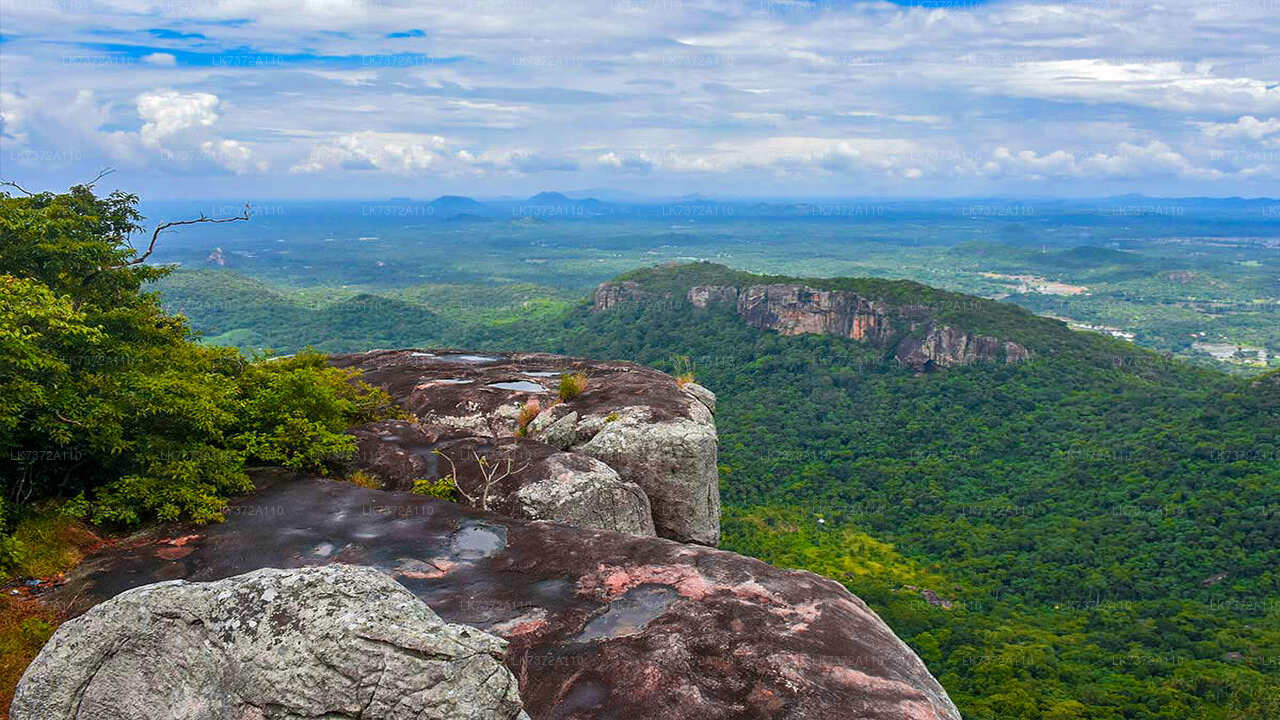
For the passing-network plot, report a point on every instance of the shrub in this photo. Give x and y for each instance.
(443, 488)
(528, 412)
(682, 369)
(572, 385)
(364, 480)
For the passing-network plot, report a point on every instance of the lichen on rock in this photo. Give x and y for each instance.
(330, 641)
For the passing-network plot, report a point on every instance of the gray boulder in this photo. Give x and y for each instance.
(579, 490)
(674, 460)
(333, 641)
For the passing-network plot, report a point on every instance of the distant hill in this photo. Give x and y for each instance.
(447, 206)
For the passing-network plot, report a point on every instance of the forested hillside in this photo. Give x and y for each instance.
(1102, 521)
(1093, 533)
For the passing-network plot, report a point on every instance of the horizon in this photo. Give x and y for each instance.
(305, 99)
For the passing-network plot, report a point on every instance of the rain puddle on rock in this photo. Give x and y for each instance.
(542, 373)
(451, 381)
(467, 358)
(630, 613)
(472, 542)
(519, 386)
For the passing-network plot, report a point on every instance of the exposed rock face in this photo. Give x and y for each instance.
(636, 422)
(334, 641)
(600, 624)
(797, 309)
(610, 294)
(947, 347)
(517, 477)
(910, 331)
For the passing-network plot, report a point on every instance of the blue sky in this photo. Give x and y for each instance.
(766, 98)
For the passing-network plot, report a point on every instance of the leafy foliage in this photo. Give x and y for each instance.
(103, 392)
(572, 385)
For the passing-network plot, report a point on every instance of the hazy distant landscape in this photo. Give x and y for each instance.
(1194, 277)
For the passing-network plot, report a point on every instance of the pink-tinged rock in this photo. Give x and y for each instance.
(599, 623)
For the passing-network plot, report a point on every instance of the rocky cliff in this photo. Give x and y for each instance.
(599, 624)
(912, 332)
(634, 452)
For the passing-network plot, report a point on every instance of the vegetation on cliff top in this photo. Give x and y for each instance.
(106, 397)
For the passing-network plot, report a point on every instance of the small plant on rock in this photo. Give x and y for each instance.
(682, 369)
(528, 412)
(441, 488)
(365, 480)
(572, 385)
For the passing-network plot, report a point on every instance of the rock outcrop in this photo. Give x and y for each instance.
(634, 443)
(600, 624)
(911, 331)
(519, 477)
(333, 641)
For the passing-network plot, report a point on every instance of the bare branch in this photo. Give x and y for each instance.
(17, 187)
(101, 174)
(175, 223)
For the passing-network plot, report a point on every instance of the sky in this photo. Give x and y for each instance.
(762, 98)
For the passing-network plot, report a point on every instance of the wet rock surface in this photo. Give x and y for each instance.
(653, 433)
(332, 641)
(600, 624)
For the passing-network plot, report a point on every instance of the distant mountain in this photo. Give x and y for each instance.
(551, 198)
(447, 206)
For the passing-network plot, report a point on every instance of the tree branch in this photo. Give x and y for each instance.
(18, 187)
(175, 223)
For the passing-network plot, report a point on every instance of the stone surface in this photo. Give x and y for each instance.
(334, 641)
(639, 422)
(518, 477)
(909, 330)
(600, 624)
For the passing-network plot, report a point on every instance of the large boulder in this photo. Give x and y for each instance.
(332, 641)
(600, 624)
(653, 432)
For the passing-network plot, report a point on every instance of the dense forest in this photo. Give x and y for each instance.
(1093, 533)
(1098, 529)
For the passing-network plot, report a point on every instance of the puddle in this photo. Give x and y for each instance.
(473, 542)
(451, 381)
(466, 358)
(542, 373)
(585, 695)
(630, 613)
(520, 386)
(421, 354)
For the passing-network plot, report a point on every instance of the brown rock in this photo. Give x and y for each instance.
(597, 622)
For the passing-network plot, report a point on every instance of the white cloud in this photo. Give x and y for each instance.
(169, 112)
(161, 59)
(232, 155)
(399, 153)
(1247, 127)
(714, 95)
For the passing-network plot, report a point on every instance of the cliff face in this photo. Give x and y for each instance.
(910, 330)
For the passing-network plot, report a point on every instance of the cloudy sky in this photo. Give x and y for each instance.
(759, 98)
